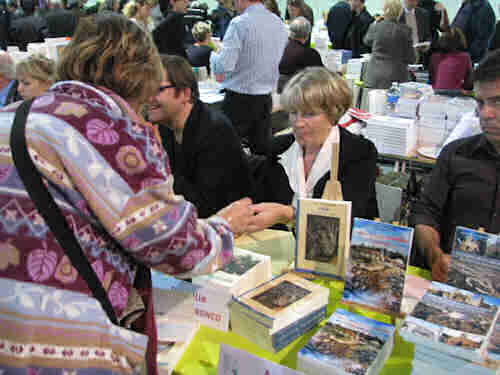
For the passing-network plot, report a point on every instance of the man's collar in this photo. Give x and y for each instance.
(481, 144)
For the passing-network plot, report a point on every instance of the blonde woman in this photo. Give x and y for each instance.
(139, 11)
(199, 52)
(392, 49)
(35, 75)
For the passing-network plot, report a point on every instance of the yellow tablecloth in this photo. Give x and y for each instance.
(202, 355)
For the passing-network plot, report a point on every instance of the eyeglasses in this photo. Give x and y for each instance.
(492, 102)
(161, 88)
(294, 116)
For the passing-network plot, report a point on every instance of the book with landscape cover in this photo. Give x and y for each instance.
(452, 321)
(376, 268)
(475, 262)
(348, 344)
(272, 314)
(246, 271)
(323, 232)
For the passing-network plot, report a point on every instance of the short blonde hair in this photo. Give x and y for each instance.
(316, 90)
(111, 51)
(38, 67)
(132, 7)
(200, 31)
(392, 10)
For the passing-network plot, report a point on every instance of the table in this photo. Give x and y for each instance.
(202, 355)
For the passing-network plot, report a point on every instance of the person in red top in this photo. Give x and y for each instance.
(450, 67)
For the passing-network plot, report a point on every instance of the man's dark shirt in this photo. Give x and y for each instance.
(463, 190)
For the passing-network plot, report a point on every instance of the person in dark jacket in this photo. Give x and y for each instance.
(298, 54)
(28, 29)
(5, 18)
(205, 153)
(199, 53)
(361, 21)
(476, 18)
(220, 17)
(169, 34)
(61, 23)
(338, 21)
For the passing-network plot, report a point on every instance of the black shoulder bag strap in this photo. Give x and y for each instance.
(50, 211)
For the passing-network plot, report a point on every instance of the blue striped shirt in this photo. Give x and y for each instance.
(251, 52)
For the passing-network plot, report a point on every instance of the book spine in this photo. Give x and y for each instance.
(299, 324)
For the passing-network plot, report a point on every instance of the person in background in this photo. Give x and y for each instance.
(199, 52)
(35, 75)
(272, 6)
(298, 8)
(450, 67)
(28, 29)
(139, 11)
(248, 61)
(338, 21)
(5, 19)
(221, 16)
(463, 189)
(298, 54)
(476, 19)
(438, 17)
(315, 99)
(495, 40)
(361, 21)
(8, 83)
(204, 151)
(196, 12)
(110, 177)
(419, 21)
(61, 22)
(110, 6)
(169, 34)
(392, 49)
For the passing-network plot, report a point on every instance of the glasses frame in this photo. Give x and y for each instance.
(162, 88)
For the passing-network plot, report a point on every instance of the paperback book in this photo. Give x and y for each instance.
(245, 272)
(475, 262)
(452, 321)
(347, 344)
(278, 311)
(323, 231)
(376, 268)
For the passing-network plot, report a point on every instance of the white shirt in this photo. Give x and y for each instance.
(251, 52)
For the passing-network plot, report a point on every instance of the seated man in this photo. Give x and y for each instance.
(205, 153)
(8, 83)
(297, 54)
(464, 185)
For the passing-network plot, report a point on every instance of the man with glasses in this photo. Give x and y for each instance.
(464, 188)
(204, 151)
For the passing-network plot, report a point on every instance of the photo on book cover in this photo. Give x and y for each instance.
(240, 264)
(281, 296)
(377, 266)
(475, 264)
(323, 231)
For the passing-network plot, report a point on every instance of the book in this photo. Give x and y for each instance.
(475, 262)
(323, 231)
(285, 302)
(244, 272)
(347, 344)
(233, 361)
(376, 268)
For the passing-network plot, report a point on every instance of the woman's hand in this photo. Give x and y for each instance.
(238, 215)
(269, 214)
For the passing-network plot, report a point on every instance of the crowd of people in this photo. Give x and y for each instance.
(147, 175)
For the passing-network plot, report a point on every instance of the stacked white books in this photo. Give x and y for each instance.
(245, 272)
(433, 127)
(278, 311)
(376, 268)
(392, 135)
(453, 323)
(336, 58)
(348, 344)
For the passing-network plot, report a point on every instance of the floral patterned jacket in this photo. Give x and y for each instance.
(107, 172)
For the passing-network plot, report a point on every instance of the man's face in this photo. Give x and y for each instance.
(411, 4)
(356, 5)
(180, 6)
(240, 5)
(488, 100)
(166, 104)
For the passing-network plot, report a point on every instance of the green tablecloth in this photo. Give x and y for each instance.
(202, 355)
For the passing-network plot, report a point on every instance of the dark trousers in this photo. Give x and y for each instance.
(251, 117)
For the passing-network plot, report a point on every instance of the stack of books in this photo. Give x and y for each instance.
(348, 344)
(453, 325)
(278, 311)
(392, 135)
(433, 128)
(376, 269)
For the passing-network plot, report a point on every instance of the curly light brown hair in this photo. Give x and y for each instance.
(37, 66)
(111, 51)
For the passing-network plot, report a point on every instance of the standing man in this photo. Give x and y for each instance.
(361, 20)
(477, 20)
(338, 21)
(169, 34)
(253, 45)
(464, 188)
(418, 19)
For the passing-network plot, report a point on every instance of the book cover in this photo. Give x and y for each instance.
(376, 268)
(282, 300)
(323, 231)
(347, 344)
(475, 262)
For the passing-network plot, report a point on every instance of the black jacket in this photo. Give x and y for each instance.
(357, 173)
(209, 168)
(169, 35)
(25, 30)
(338, 21)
